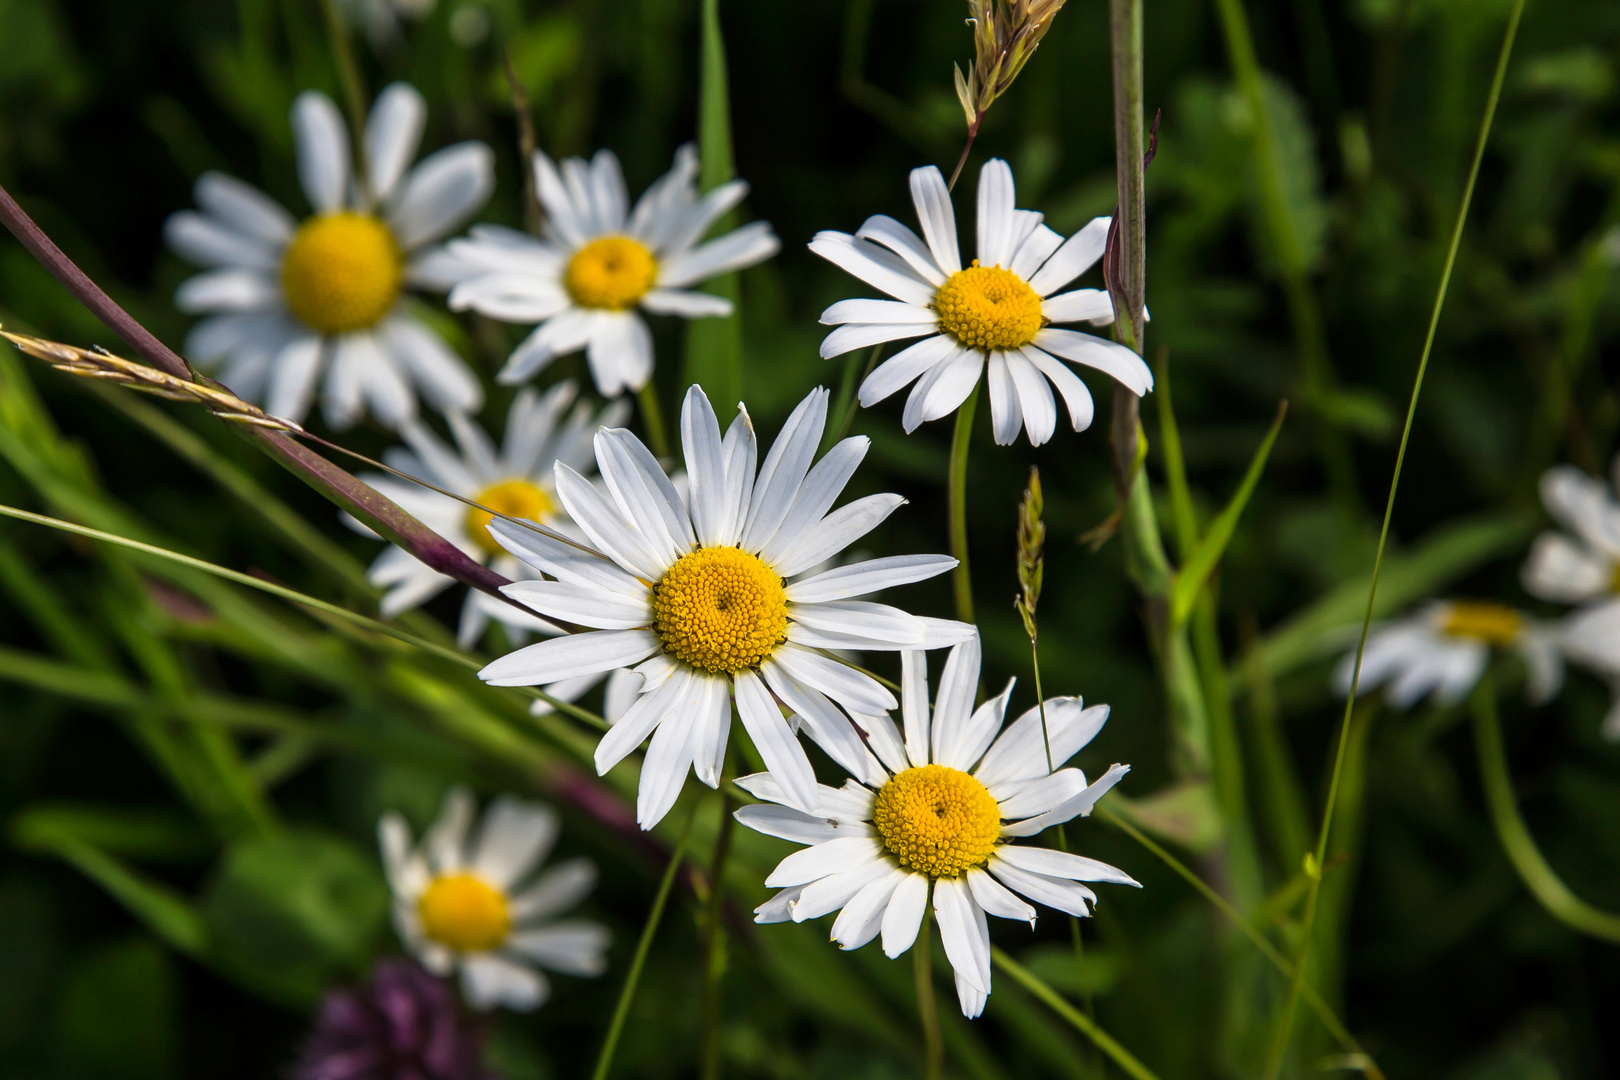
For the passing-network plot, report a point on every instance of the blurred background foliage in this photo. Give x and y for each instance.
(191, 771)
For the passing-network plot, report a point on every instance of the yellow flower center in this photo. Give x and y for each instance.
(1614, 578)
(509, 498)
(720, 609)
(613, 272)
(464, 913)
(1493, 623)
(986, 307)
(937, 820)
(342, 272)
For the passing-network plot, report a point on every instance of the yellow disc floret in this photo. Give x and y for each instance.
(937, 820)
(509, 498)
(464, 913)
(1494, 623)
(613, 272)
(341, 272)
(720, 609)
(986, 307)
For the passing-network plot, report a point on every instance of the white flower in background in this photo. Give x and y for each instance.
(381, 19)
(1581, 566)
(601, 263)
(715, 603)
(1591, 638)
(472, 903)
(289, 300)
(514, 479)
(938, 810)
(1443, 649)
(994, 314)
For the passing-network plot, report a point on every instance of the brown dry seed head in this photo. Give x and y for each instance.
(1031, 552)
(1006, 34)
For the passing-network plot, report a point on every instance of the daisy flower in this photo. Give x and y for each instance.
(382, 19)
(1443, 649)
(994, 314)
(714, 604)
(1582, 565)
(600, 264)
(461, 904)
(938, 812)
(288, 300)
(515, 479)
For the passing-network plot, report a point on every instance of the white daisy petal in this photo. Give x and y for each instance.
(1581, 504)
(441, 192)
(1081, 305)
(1062, 864)
(686, 303)
(832, 730)
(1069, 897)
(488, 981)
(581, 604)
(995, 216)
(953, 705)
(230, 289)
(292, 385)
(1020, 751)
(570, 656)
(862, 916)
(1075, 806)
(669, 755)
(836, 532)
(883, 229)
(859, 336)
(206, 242)
(713, 730)
(1110, 358)
(244, 207)
(963, 932)
(942, 390)
(705, 467)
(1563, 570)
(820, 488)
(783, 755)
(1075, 394)
(322, 145)
(576, 947)
(632, 729)
(446, 840)
(904, 916)
(873, 265)
(753, 243)
(443, 378)
(835, 890)
(996, 900)
(875, 312)
(784, 470)
(850, 688)
(566, 332)
(1006, 415)
(906, 365)
(514, 837)
(934, 212)
(1077, 255)
(619, 351)
(740, 449)
(865, 578)
(790, 824)
(778, 908)
(1036, 248)
(834, 857)
(393, 132)
(604, 523)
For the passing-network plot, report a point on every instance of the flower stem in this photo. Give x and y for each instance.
(1540, 878)
(713, 942)
(652, 417)
(621, 1011)
(973, 133)
(1083, 1023)
(849, 395)
(927, 1010)
(961, 580)
(1279, 1046)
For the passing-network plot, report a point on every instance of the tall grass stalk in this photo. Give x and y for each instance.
(961, 439)
(1279, 1046)
(1081, 1022)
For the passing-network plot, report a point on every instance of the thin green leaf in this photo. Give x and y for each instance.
(1204, 558)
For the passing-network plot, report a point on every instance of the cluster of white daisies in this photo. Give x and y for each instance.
(1441, 650)
(714, 588)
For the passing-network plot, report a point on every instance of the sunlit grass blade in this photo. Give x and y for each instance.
(1279, 1046)
(1088, 1027)
(1206, 554)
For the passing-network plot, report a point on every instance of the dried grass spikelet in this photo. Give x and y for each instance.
(97, 363)
(1006, 34)
(1031, 552)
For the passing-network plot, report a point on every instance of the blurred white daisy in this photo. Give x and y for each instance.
(938, 811)
(289, 300)
(715, 603)
(473, 905)
(382, 19)
(994, 314)
(1442, 649)
(1581, 566)
(601, 263)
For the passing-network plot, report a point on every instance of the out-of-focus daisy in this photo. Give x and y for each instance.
(381, 19)
(1591, 638)
(601, 263)
(995, 313)
(466, 904)
(1581, 566)
(514, 479)
(289, 300)
(938, 812)
(714, 604)
(1442, 649)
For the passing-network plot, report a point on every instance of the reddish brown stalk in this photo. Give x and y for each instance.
(342, 488)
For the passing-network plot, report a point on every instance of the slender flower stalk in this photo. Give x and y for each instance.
(714, 941)
(1006, 34)
(956, 505)
(1285, 1021)
(922, 973)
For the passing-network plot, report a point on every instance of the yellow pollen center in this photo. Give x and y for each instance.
(1614, 578)
(1493, 623)
(720, 609)
(341, 272)
(464, 913)
(986, 307)
(613, 272)
(937, 820)
(511, 498)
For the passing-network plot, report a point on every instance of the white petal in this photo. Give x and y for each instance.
(778, 908)
(834, 857)
(713, 729)
(994, 219)
(753, 243)
(934, 212)
(836, 890)
(883, 229)
(782, 753)
(565, 562)
(685, 303)
(994, 898)
(566, 332)
(801, 828)
(943, 389)
(570, 656)
(244, 208)
(865, 578)
(970, 998)
(1075, 806)
(573, 948)
(1106, 356)
(816, 494)
(904, 917)
(620, 352)
(1037, 247)
(669, 755)
(862, 916)
(643, 491)
(446, 839)
(831, 729)
(1561, 569)
(1006, 414)
(441, 192)
(1069, 897)
(1020, 752)
(393, 132)
(705, 468)
(953, 705)
(228, 290)
(488, 980)
(640, 719)
(1075, 394)
(980, 729)
(914, 708)
(963, 932)
(602, 520)
(877, 626)
(292, 379)
(873, 265)
(557, 890)
(1081, 305)
(443, 377)
(850, 688)
(514, 837)
(322, 148)
(1074, 258)
(1062, 864)
(1034, 398)
(582, 605)
(1582, 504)
(860, 335)
(876, 312)
(207, 242)
(836, 532)
(784, 470)
(741, 452)
(906, 365)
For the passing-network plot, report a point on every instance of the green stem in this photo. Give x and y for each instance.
(627, 994)
(1079, 944)
(961, 580)
(1129, 284)
(849, 391)
(1279, 1046)
(1083, 1023)
(922, 972)
(1532, 867)
(712, 941)
(652, 417)
(1323, 1012)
